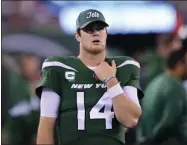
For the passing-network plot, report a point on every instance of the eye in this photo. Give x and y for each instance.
(88, 29)
(100, 28)
(92, 29)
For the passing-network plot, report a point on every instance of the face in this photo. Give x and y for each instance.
(93, 37)
(176, 44)
(30, 66)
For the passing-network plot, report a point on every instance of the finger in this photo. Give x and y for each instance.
(113, 64)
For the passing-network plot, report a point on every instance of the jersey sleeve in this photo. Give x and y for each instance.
(130, 69)
(50, 78)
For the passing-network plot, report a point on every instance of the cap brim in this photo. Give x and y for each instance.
(86, 24)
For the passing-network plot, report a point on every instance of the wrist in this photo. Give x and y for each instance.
(112, 82)
(115, 90)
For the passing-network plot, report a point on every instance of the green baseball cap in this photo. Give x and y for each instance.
(88, 16)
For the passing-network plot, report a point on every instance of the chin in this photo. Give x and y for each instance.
(96, 49)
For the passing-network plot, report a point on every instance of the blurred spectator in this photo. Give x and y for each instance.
(164, 118)
(20, 15)
(23, 106)
(30, 68)
(154, 59)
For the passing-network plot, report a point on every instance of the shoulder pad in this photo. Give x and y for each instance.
(124, 60)
(57, 62)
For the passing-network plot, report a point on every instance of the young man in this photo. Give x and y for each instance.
(164, 118)
(87, 99)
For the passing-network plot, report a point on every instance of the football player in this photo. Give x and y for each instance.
(88, 99)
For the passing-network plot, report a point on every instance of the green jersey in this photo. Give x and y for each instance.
(85, 115)
(164, 118)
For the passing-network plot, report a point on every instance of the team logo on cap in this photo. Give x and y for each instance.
(92, 15)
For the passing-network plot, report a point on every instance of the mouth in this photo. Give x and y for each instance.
(96, 41)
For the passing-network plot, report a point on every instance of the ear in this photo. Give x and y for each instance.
(77, 36)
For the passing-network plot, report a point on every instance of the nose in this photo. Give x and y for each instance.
(95, 32)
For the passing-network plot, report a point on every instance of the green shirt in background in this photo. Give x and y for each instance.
(152, 65)
(164, 118)
(22, 116)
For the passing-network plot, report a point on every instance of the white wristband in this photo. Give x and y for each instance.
(115, 91)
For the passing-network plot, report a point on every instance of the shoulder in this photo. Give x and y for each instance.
(126, 65)
(58, 62)
(172, 86)
(122, 61)
(176, 85)
(55, 59)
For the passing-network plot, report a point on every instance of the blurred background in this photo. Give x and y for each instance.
(148, 31)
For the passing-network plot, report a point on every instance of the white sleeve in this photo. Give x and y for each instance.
(132, 93)
(50, 102)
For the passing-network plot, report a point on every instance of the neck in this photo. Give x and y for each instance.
(91, 59)
(174, 73)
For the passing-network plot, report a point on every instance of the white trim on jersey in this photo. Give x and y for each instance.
(50, 101)
(56, 63)
(129, 62)
(23, 108)
(60, 64)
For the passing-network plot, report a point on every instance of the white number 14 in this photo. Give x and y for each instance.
(108, 115)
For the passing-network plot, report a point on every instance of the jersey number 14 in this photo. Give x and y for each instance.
(95, 113)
